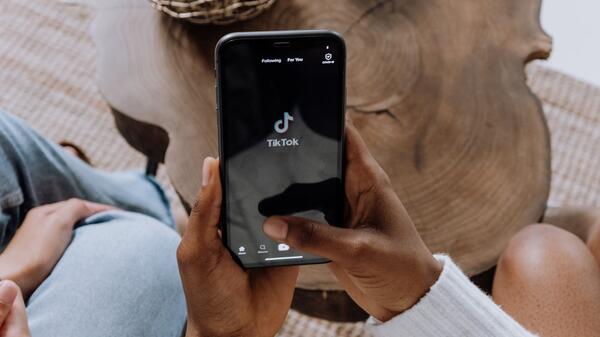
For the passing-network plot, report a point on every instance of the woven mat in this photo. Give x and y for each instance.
(572, 109)
(47, 77)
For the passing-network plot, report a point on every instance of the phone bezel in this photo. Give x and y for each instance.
(276, 37)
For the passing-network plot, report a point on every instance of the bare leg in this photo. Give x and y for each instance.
(593, 241)
(549, 281)
(581, 221)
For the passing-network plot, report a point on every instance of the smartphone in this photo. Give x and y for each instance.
(281, 103)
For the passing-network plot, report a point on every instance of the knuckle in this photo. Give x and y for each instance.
(212, 262)
(374, 179)
(377, 176)
(75, 203)
(190, 255)
(182, 255)
(205, 205)
(185, 256)
(307, 235)
(362, 246)
(197, 205)
(34, 212)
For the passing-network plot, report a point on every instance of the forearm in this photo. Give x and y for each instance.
(454, 307)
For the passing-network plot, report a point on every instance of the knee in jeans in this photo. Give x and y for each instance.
(126, 243)
(538, 249)
(12, 130)
(5, 121)
(149, 241)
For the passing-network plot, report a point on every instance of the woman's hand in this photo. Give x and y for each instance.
(13, 317)
(41, 240)
(379, 258)
(222, 298)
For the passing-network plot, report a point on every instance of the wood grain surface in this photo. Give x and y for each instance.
(437, 89)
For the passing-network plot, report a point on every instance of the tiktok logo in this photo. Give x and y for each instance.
(282, 125)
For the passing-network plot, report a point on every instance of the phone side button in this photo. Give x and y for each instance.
(217, 97)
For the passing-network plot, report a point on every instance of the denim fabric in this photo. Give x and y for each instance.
(119, 276)
(34, 171)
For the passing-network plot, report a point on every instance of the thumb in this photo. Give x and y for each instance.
(203, 224)
(16, 323)
(337, 244)
(8, 293)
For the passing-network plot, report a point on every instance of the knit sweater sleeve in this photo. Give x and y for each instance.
(453, 307)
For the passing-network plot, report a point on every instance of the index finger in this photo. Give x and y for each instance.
(356, 148)
(74, 210)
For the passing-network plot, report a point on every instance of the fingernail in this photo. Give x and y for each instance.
(7, 295)
(276, 229)
(206, 171)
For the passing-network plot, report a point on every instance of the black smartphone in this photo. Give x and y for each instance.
(281, 103)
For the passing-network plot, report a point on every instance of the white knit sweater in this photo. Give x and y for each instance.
(453, 307)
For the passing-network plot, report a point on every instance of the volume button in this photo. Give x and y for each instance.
(217, 97)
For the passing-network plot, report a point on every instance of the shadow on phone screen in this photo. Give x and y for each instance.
(298, 198)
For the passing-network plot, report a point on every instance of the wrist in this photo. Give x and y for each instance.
(432, 271)
(21, 274)
(425, 273)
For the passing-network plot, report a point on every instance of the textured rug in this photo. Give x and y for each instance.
(47, 77)
(572, 109)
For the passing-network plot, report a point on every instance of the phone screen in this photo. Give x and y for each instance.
(281, 122)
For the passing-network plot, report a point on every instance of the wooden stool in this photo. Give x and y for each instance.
(436, 88)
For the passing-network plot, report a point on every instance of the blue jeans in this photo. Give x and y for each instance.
(118, 276)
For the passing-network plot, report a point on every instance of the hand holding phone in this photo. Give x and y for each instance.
(222, 298)
(379, 257)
